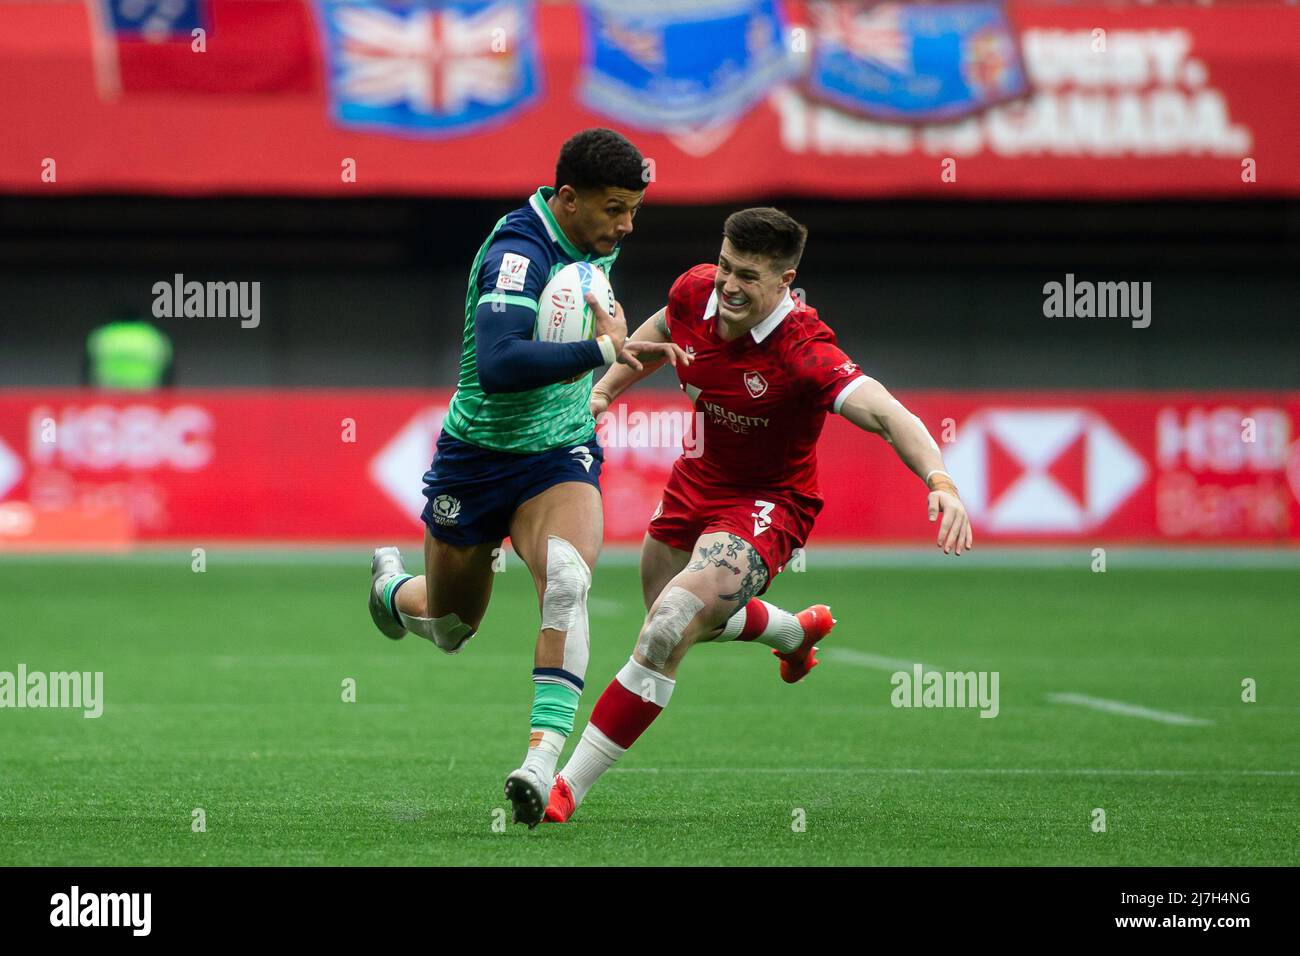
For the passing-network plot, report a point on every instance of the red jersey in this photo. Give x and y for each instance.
(763, 397)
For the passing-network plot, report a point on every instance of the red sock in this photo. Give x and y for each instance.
(755, 620)
(623, 716)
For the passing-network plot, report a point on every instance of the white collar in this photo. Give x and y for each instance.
(764, 328)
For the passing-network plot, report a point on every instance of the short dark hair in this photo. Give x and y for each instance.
(765, 231)
(596, 158)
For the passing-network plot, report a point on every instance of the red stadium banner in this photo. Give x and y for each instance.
(201, 466)
(737, 99)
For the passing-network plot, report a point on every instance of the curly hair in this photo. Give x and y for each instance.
(596, 158)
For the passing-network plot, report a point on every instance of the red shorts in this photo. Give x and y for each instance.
(775, 523)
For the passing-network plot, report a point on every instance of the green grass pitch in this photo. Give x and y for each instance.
(224, 692)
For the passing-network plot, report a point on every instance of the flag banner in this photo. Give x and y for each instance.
(914, 62)
(669, 65)
(174, 47)
(427, 67)
(731, 99)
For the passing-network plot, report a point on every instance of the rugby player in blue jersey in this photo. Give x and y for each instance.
(518, 455)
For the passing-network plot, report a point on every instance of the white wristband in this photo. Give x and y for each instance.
(607, 349)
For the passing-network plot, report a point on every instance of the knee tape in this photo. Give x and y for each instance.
(650, 686)
(564, 602)
(667, 626)
(449, 633)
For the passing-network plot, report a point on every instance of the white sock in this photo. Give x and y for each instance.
(544, 748)
(596, 751)
(782, 631)
(594, 754)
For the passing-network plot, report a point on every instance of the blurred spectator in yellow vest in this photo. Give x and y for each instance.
(128, 354)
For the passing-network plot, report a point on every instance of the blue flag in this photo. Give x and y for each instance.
(668, 64)
(914, 62)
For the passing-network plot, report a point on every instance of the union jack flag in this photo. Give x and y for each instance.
(873, 34)
(431, 67)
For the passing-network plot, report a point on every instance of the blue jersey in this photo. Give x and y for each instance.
(514, 393)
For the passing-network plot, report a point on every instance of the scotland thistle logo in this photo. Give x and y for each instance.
(446, 509)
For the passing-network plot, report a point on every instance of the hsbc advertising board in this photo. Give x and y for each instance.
(80, 468)
(1042, 470)
(1139, 467)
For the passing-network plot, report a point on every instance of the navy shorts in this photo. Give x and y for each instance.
(473, 492)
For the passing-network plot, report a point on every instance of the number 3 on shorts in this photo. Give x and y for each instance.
(762, 517)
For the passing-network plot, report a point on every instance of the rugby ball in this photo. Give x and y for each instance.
(562, 311)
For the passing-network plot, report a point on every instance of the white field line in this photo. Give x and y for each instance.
(894, 664)
(1129, 710)
(966, 771)
(874, 661)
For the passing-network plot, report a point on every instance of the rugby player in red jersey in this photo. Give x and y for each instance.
(766, 371)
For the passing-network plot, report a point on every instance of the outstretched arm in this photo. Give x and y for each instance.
(873, 409)
(651, 341)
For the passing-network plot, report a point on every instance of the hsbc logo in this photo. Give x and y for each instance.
(1042, 471)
